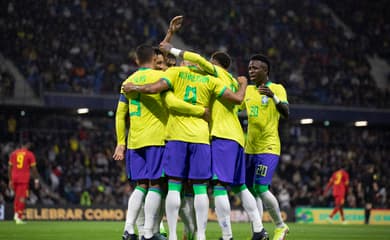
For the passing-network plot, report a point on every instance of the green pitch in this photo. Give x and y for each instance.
(113, 230)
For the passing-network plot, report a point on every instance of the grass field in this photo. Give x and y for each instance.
(35, 230)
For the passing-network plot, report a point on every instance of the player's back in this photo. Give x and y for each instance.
(340, 180)
(196, 87)
(21, 160)
(148, 115)
(224, 114)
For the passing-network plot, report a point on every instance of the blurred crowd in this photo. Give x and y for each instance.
(74, 159)
(7, 84)
(86, 46)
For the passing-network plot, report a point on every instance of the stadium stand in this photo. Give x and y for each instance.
(74, 155)
(85, 46)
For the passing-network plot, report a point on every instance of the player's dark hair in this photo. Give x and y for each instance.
(157, 51)
(264, 59)
(171, 60)
(144, 53)
(222, 58)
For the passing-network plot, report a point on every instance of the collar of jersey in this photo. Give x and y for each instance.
(268, 83)
(143, 68)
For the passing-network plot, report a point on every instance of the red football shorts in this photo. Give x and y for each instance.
(339, 199)
(21, 190)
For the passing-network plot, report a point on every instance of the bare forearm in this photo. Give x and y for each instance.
(168, 36)
(283, 109)
(151, 88)
(241, 92)
(35, 173)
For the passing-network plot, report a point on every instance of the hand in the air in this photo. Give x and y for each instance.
(176, 23)
(242, 80)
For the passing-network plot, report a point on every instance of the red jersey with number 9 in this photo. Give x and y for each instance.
(21, 160)
(340, 182)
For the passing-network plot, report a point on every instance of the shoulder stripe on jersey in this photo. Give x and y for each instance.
(122, 98)
(168, 82)
(222, 92)
(215, 71)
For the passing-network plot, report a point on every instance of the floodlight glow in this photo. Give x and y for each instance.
(361, 123)
(306, 121)
(82, 110)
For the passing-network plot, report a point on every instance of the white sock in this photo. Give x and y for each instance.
(133, 208)
(187, 214)
(172, 205)
(158, 224)
(249, 204)
(222, 208)
(259, 204)
(201, 205)
(152, 209)
(272, 206)
(140, 221)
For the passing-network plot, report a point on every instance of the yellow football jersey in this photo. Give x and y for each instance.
(263, 120)
(224, 114)
(148, 115)
(197, 88)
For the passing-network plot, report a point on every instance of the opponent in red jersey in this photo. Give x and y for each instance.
(20, 162)
(339, 181)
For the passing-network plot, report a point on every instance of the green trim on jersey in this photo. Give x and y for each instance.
(215, 71)
(168, 82)
(222, 92)
(143, 68)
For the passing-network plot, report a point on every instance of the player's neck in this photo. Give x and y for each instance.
(146, 65)
(262, 82)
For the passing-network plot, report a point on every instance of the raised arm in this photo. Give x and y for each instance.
(174, 25)
(203, 63)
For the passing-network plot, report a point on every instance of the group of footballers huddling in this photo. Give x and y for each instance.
(185, 135)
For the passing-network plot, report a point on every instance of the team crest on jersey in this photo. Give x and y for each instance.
(264, 100)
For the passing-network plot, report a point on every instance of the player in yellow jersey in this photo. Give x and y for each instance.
(188, 153)
(162, 62)
(159, 63)
(146, 140)
(265, 102)
(227, 146)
